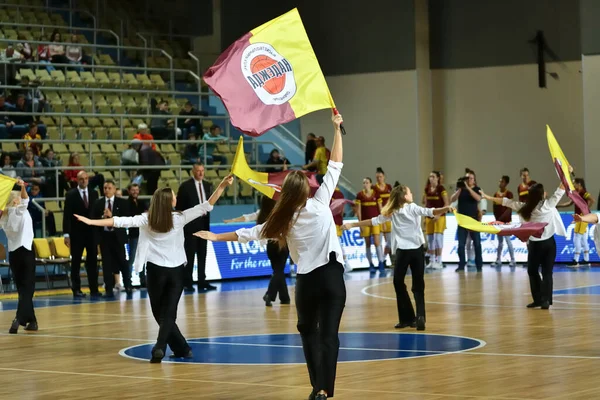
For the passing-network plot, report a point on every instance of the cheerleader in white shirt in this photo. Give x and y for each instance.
(306, 226)
(16, 223)
(542, 251)
(160, 247)
(407, 242)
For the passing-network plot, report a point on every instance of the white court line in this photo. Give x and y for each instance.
(365, 292)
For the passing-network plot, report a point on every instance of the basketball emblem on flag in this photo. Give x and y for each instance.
(268, 73)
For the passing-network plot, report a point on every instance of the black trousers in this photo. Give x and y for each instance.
(415, 259)
(78, 243)
(194, 246)
(114, 260)
(320, 301)
(22, 265)
(164, 289)
(277, 283)
(151, 176)
(541, 253)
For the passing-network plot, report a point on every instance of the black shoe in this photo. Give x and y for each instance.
(109, 295)
(208, 286)
(129, 291)
(320, 396)
(189, 289)
(534, 305)
(402, 325)
(187, 354)
(79, 295)
(96, 295)
(14, 327)
(545, 305)
(479, 269)
(157, 356)
(267, 300)
(32, 326)
(459, 269)
(285, 302)
(420, 323)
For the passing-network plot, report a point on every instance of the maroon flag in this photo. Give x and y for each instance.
(522, 231)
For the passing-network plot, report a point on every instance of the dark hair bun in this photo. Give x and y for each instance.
(380, 170)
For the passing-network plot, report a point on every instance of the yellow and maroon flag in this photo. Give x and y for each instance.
(269, 183)
(6, 186)
(523, 231)
(270, 76)
(562, 170)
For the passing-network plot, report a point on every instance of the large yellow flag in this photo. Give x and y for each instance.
(521, 230)
(270, 76)
(268, 184)
(6, 186)
(561, 164)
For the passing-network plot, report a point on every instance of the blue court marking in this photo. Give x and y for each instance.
(593, 290)
(275, 349)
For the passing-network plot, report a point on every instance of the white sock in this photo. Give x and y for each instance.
(576, 257)
(586, 256)
(380, 255)
(369, 255)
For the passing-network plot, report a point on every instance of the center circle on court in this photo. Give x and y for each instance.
(287, 348)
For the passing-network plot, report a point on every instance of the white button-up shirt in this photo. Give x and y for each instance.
(313, 236)
(544, 212)
(17, 225)
(112, 207)
(87, 194)
(406, 226)
(162, 249)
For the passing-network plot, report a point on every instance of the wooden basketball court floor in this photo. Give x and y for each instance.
(480, 343)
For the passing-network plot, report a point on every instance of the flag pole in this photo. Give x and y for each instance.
(336, 112)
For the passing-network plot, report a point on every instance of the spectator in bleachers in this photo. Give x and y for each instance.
(190, 125)
(25, 50)
(35, 193)
(9, 57)
(49, 161)
(33, 140)
(8, 168)
(43, 54)
(57, 50)
(22, 121)
(276, 159)
(6, 122)
(320, 160)
(163, 128)
(71, 174)
(74, 54)
(190, 153)
(33, 95)
(143, 134)
(10, 54)
(148, 157)
(30, 169)
(216, 137)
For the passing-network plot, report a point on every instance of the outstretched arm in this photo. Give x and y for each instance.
(217, 237)
(107, 222)
(589, 218)
(350, 225)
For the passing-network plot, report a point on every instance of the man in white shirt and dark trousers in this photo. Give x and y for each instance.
(79, 236)
(192, 192)
(112, 240)
(16, 223)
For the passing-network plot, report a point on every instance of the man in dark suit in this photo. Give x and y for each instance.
(112, 240)
(79, 236)
(136, 206)
(191, 193)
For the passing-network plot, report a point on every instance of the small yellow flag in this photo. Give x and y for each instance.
(6, 186)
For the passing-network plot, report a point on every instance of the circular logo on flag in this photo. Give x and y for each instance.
(268, 73)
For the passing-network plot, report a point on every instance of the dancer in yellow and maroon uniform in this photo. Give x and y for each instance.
(435, 196)
(383, 192)
(526, 183)
(367, 208)
(580, 233)
(338, 219)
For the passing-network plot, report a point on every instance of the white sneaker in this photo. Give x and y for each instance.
(437, 265)
(429, 265)
(513, 264)
(470, 263)
(497, 264)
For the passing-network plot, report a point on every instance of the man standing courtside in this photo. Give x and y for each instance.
(192, 192)
(112, 240)
(79, 236)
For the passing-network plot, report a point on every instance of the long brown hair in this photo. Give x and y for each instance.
(294, 192)
(535, 197)
(397, 200)
(160, 214)
(266, 206)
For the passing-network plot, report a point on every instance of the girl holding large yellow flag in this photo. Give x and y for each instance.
(542, 250)
(307, 227)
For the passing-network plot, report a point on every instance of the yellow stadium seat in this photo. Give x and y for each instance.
(70, 133)
(73, 78)
(101, 133)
